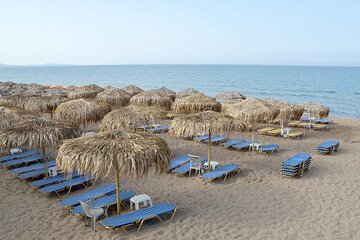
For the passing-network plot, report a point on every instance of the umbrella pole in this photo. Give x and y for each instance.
(118, 204)
(84, 127)
(209, 150)
(252, 138)
(51, 114)
(45, 161)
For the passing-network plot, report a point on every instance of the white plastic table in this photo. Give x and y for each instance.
(213, 164)
(15, 150)
(257, 146)
(141, 198)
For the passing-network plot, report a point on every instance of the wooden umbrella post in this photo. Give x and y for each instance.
(45, 161)
(118, 203)
(84, 123)
(209, 150)
(252, 138)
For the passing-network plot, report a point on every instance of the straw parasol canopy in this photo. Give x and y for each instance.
(16, 100)
(132, 90)
(152, 98)
(87, 91)
(197, 102)
(287, 110)
(171, 94)
(38, 133)
(229, 96)
(316, 109)
(10, 116)
(252, 111)
(192, 125)
(81, 111)
(114, 96)
(186, 92)
(117, 152)
(43, 104)
(131, 117)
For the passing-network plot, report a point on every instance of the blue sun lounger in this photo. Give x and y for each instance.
(24, 160)
(204, 137)
(33, 167)
(243, 145)
(328, 147)
(32, 174)
(216, 139)
(106, 189)
(233, 142)
(270, 148)
(323, 121)
(220, 172)
(296, 165)
(18, 155)
(52, 180)
(178, 161)
(139, 216)
(185, 168)
(67, 184)
(104, 202)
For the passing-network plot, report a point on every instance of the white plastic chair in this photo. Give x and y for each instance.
(52, 171)
(92, 212)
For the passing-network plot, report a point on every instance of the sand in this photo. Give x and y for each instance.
(257, 204)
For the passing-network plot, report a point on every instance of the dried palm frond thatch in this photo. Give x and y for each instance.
(152, 98)
(229, 96)
(315, 109)
(10, 116)
(116, 152)
(252, 111)
(37, 133)
(81, 111)
(192, 125)
(186, 92)
(87, 91)
(197, 102)
(131, 117)
(132, 90)
(44, 104)
(114, 96)
(287, 110)
(16, 100)
(171, 94)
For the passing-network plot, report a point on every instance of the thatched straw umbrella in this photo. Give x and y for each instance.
(10, 116)
(16, 100)
(316, 109)
(286, 111)
(38, 133)
(44, 104)
(152, 98)
(171, 94)
(132, 90)
(186, 92)
(189, 126)
(229, 96)
(114, 152)
(81, 111)
(130, 118)
(114, 96)
(197, 102)
(88, 91)
(252, 111)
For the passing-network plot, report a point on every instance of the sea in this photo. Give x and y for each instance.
(337, 87)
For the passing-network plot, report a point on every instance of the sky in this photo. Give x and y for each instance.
(276, 32)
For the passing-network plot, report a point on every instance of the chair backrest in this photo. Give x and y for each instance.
(52, 171)
(86, 207)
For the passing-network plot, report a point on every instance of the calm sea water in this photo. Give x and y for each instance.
(338, 87)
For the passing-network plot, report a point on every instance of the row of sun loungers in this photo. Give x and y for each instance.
(307, 125)
(277, 132)
(328, 147)
(296, 165)
(155, 128)
(237, 144)
(103, 197)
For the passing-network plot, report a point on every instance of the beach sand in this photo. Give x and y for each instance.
(257, 204)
